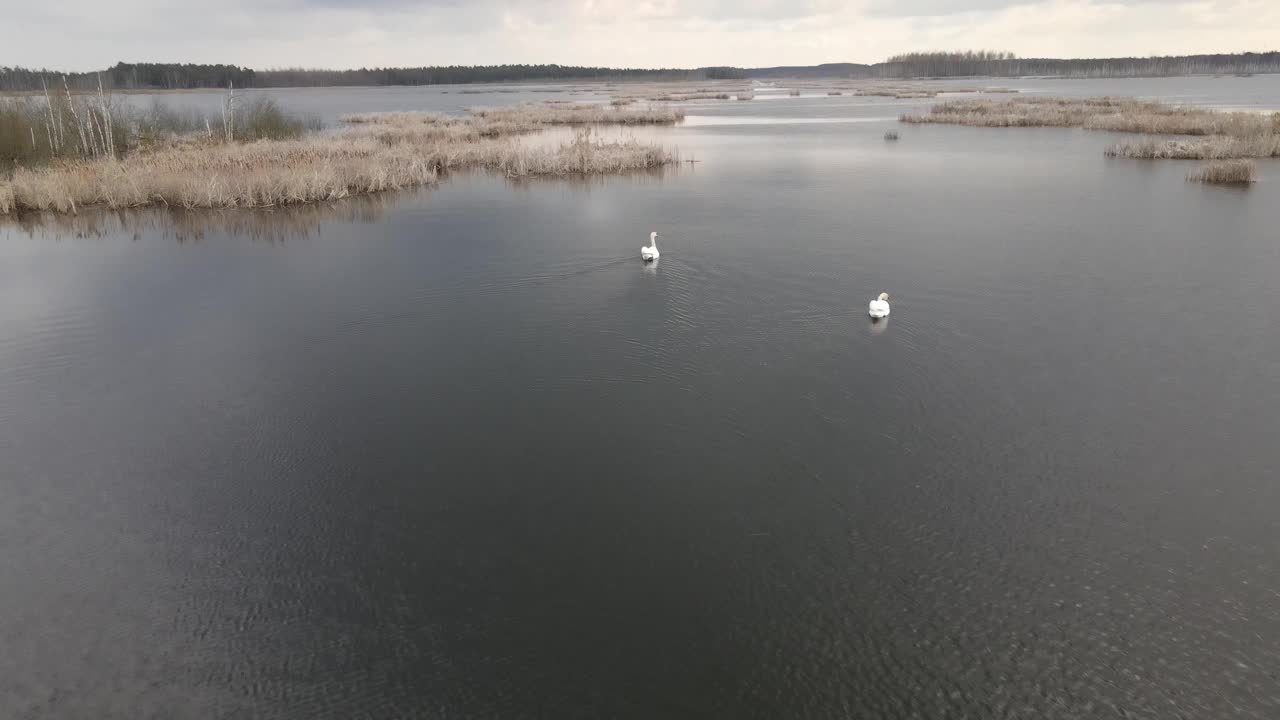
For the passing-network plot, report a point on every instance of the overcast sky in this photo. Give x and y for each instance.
(89, 34)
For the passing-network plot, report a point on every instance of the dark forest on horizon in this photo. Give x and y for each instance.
(186, 76)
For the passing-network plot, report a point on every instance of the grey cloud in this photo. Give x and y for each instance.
(933, 8)
(711, 10)
(942, 8)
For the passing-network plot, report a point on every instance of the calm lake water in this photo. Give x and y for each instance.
(459, 454)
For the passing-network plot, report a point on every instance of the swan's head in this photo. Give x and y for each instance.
(653, 236)
(883, 296)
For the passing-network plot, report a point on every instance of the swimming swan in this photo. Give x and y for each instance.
(650, 251)
(880, 306)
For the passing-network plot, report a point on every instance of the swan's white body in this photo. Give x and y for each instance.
(650, 251)
(879, 307)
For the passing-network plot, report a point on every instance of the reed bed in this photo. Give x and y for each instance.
(406, 118)
(504, 121)
(1229, 172)
(1210, 148)
(1101, 113)
(685, 97)
(676, 91)
(916, 91)
(208, 175)
(680, 91)
(533, 116)
(373, 156)
(1207, 134)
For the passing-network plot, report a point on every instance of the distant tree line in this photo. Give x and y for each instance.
(175, 76)
(462, 74)
(148, 76)
(999, 64)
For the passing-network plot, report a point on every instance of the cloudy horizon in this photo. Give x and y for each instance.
(78, 35)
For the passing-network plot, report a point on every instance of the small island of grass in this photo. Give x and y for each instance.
(96, 154)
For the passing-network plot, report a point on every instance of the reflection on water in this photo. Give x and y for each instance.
(878, 325)
(259, 224)
(639, 177)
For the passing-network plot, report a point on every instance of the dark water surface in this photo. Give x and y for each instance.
(459, 454)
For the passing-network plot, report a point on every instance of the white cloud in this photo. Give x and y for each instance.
(80, 34)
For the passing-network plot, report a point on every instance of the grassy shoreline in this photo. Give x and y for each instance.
(375, 153)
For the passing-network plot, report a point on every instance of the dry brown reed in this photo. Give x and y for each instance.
(532, 116)
(1208, 148)
(1216, 135)
(381, 152)
(404, 118)
(207, 174)
(515, 120)
(685, 97)
(1228, 172)
(679, 91)
(1100, 113)
(908, 91)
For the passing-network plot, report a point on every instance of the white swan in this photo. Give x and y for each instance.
(880, 306)
(650, 251)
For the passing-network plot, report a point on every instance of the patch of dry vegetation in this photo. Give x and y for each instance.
(201, 174)
(1209, 148)
(1229, 172)
(402, 118)
(677, 91)
(685, 97)
(1220, 135)
(378, 152)
(681, 91)
(493, 121)
(916, 91)
(532, 116)
(1025, 112)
